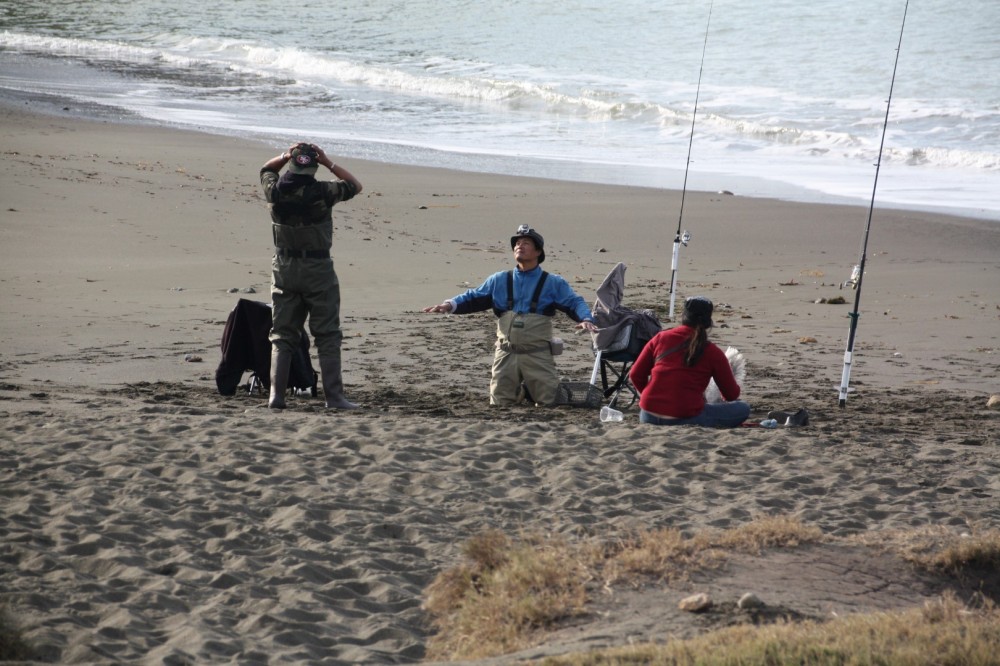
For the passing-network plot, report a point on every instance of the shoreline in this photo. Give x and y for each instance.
(506, 166)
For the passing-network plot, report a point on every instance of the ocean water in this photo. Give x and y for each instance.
(771, 98)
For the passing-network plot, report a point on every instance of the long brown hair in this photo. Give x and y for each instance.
(698, 315)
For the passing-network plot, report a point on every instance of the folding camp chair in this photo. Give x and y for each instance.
(622, 334)
(613, 363)
(246, 347)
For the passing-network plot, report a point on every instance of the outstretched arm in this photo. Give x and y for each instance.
(573, 305)
(445, 308)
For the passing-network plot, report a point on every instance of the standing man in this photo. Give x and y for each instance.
(303, 283)
(524, 301)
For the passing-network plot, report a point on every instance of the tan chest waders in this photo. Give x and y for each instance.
(523, 354)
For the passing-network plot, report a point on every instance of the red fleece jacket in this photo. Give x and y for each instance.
(668, 387)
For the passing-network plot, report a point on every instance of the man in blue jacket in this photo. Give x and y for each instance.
(524, 301)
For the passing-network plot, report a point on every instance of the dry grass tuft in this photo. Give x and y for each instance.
(975, 551)
(769, 532)
(504, 594)
(943, 632)
(668, 555)
(665, 554)
(938, 548)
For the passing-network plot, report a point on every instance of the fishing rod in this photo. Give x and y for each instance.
(858, 273)
(683, 239)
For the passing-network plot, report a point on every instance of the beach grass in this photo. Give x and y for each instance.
(939, 549)
(505, 592)
(979, 550)
(509, 593)
(943, 632)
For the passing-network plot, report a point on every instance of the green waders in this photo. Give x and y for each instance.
(523, 354)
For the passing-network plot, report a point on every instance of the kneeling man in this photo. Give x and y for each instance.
(524, 301)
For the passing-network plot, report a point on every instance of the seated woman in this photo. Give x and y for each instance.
(673, 371)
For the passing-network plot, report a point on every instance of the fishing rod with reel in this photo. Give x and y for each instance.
(685, 237)
(858, 272)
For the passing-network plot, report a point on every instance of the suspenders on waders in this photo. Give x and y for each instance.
(514, 342)
(534, 297)
(523, 362)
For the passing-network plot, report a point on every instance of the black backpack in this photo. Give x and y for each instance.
(246, 348)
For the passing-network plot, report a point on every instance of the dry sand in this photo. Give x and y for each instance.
(144, 518)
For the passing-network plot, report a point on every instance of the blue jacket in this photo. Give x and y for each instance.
(556, 295)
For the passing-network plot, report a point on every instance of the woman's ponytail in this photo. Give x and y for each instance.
(698, 315)
(696, 345)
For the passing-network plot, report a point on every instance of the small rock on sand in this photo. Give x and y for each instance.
(696, 603)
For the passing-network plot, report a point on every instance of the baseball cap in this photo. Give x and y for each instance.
(304, 159)
(698, 310)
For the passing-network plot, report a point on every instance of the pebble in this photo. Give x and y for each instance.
(192, 358)
(696, 603)
(749, 600)
(993, 402)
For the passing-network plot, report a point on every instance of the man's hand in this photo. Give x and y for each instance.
(588, 326)
(443, 308)
(321, 157)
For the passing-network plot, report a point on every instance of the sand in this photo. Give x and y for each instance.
(144, 518)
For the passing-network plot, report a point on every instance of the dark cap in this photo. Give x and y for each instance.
(304, 159)
(524, 231)
(698, 312)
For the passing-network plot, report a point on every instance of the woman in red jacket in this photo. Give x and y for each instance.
(673, 371)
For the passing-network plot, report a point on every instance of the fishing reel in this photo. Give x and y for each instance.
(686, 238)
(852, 282)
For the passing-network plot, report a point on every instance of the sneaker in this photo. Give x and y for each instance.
(799, 418)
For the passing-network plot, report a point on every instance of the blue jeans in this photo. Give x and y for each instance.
(715, 415)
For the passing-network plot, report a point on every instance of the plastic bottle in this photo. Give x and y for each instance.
(769, 423)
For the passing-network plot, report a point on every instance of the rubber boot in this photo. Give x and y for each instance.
(333, 384)
(281, 363)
